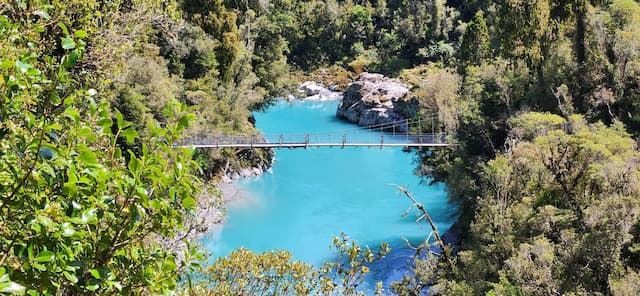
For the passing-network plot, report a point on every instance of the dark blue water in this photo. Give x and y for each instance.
(315, 194)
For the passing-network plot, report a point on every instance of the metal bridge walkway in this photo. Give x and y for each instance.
(316, 140)
(393, 134)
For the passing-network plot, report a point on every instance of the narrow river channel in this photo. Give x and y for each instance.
(314, 194)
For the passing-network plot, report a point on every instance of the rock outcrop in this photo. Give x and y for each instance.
(377, 100)
(310, 90)
(261, 161)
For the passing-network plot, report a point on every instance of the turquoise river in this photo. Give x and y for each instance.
(312, 195)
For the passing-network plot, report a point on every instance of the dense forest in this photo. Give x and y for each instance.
(542, 99)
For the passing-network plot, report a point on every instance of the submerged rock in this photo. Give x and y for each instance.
(310, 88)
(314, 91)
(374, 99)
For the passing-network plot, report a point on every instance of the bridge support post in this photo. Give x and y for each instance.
(433, 129)
(408, 131)
(381, 140)
(344, 139)
(306, 141)
(280, 140)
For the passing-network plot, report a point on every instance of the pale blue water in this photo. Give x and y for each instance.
(315, 194)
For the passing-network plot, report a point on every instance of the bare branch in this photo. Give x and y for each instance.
(409, 244)
(434, 229)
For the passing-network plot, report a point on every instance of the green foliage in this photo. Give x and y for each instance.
(626, 284)
(243, 272)
(558, 212)
(436, 90)
(530, 125)
(475, 42)
(66, 182)
(275, 273)
(359, 25)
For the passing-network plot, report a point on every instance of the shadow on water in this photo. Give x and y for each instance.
(400, 260)
(392, 267)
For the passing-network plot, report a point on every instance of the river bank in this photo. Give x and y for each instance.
(209, 215)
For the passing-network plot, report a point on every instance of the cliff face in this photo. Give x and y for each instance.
(374, 99)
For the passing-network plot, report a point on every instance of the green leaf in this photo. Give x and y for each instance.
(80, 34)
(33, 72)
(169, 265)
(73, 114)
(70, 276)
(118, 153)
(155, 204)
(72, 59)
(39, 266)
(45, 256)
(106, 124)
(95, 273)
(92, 287)
(83, 132)
(134, 163)
(88, 216)
(22, 67)
(30, 251)
(88, 157)
(64, 29)
(119, 118)
(43, 14)
(13, 288)
(68, 43)
(67, 230)
(54, 126)
(69, 189)
(6, 64)
(130, 134)
(189, 203)
(44, 221)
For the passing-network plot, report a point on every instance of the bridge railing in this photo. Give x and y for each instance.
(362, 138)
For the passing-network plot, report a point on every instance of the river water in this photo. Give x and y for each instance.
(314, 194)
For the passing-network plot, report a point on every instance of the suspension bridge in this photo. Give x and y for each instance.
(393, 134)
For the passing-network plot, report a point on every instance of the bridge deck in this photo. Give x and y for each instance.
(304, 145)
(317, 140)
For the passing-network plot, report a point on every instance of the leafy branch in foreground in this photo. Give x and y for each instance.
(76, 211)
(276, 273)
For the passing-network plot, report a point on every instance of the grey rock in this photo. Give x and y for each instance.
(313, 91)
(375, 99)
(310, 88)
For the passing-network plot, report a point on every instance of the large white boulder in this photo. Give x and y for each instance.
(374, 99)
(313, 91)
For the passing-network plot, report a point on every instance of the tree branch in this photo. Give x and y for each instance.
(425, 215)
